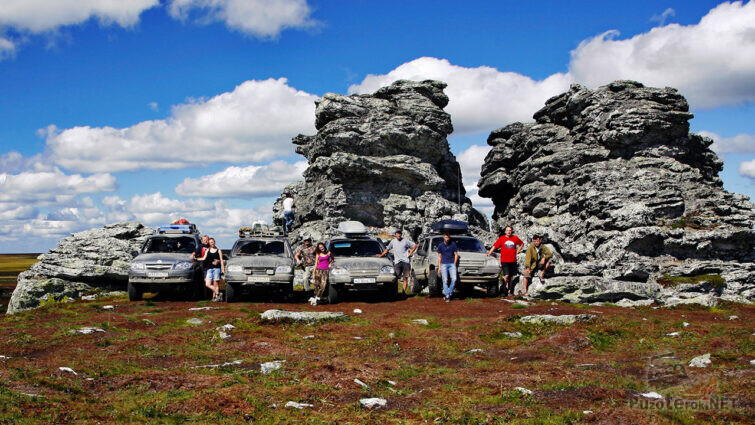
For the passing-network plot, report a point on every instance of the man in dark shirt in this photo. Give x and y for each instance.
(199, 252)
(448, 256)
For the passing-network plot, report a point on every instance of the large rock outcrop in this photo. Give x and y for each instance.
(628, 197)
(82, 263)
(382, 159)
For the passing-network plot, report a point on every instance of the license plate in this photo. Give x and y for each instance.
(258, 279)
(157, 274)
(364, 280)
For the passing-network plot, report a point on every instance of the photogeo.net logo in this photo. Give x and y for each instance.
(684, 388)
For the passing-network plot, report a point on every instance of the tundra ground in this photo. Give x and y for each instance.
(150, 365)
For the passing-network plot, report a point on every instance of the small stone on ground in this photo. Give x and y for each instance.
(371, 403)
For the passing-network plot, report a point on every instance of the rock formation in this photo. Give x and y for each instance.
(82, 263)
(382, 159)
(628, 197)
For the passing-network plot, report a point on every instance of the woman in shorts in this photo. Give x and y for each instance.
(213, 264)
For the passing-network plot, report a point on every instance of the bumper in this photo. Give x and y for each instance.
(475, 279)
(348, 282)
(157, 284)
(258, 281)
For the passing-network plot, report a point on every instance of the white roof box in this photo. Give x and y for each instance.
(352, 228)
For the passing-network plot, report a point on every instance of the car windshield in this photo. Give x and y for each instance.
(463, 244)
(260, 248)
(345, 248)
(184, 244)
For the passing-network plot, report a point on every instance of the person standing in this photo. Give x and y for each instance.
(537, 259)
(199, 252)
(510, 246)
(305, 256)
(448, 256)
(323, 261)
(402, 250)
(213, 264)
(288, 211)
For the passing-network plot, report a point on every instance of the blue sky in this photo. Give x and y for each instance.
(152, 109)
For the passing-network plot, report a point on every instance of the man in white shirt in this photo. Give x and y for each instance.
(402, 250)
(288, 211)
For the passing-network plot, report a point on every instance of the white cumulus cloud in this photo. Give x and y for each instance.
(261, 18)
(252, 123)
(45, 15)
(481, 98)
(741, 143)
(244, 182)
(51, 186)
(471, 160)
(712, 63)
(747, 169)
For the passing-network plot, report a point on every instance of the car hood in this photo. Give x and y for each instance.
(259, 261)
(361, 263)
(165, 257)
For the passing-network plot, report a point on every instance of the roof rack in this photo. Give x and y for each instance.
(352, 228)
(178, 228)
(452, 227)
(260, 230)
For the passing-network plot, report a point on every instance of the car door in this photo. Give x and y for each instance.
(419, 260)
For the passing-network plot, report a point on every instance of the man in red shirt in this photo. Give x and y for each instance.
(510, 246)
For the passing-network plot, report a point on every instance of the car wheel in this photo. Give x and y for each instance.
(493, 289)
(230, 293)
(415, 285)
(332, 294)
(434, 284)
(134, 293)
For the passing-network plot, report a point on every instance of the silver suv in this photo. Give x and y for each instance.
(164, 264)
(261, 259)
(356, 266)
(474, 268)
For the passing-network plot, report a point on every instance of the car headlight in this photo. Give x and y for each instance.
(235, 269)
(387, 270)
(137, 266)
(283, 269)
(184, 265)
(339, 271)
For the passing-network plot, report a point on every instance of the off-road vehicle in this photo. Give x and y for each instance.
(474, 267)
(356, 266)
(164, 264)
(261, 261)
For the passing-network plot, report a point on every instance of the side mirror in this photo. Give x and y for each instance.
(134, 253)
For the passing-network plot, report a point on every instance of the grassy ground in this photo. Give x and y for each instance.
(146, 367)
(10, 266)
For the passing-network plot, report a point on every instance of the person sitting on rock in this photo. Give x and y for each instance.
(510, 246)
(288, 211)
(537, 259)
(305, 256)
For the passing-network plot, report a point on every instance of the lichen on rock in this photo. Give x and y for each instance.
(80, 264)
(382, 159)
(625, 195)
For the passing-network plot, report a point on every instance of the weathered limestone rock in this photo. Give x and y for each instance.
(564, 319)
(382, 159)
(301, 316)
(81, 263)
(626, 195)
